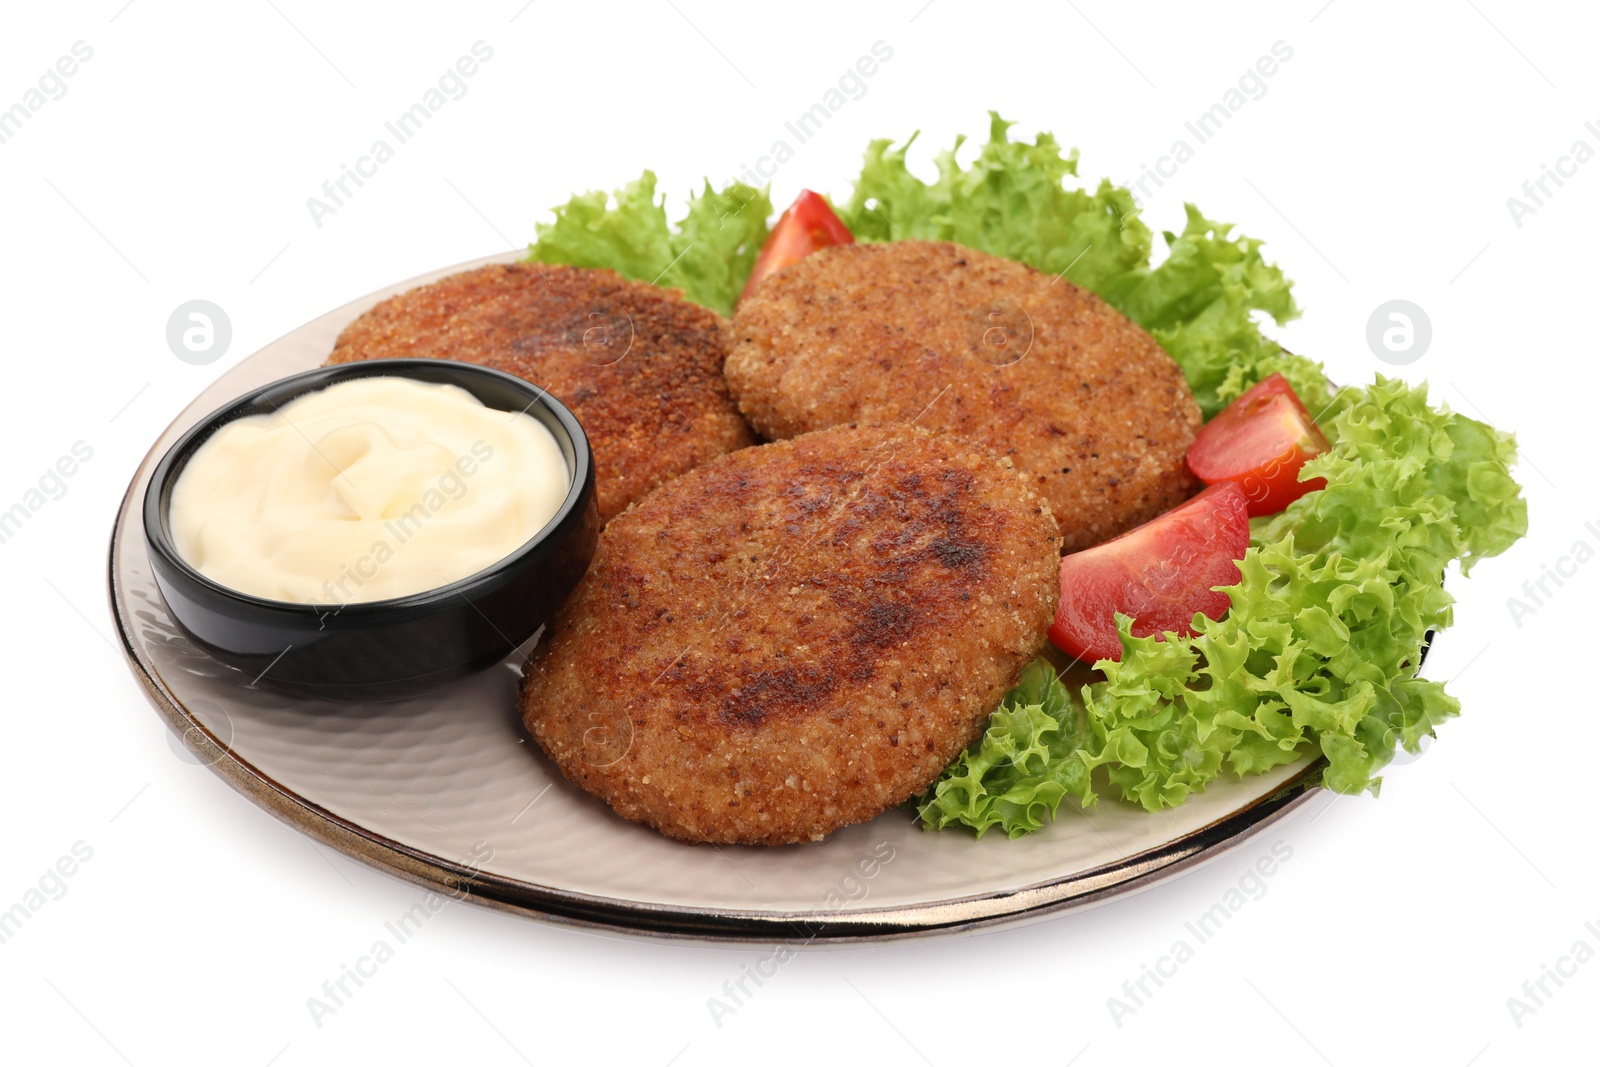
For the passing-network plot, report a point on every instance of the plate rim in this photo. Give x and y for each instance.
(1031, 903)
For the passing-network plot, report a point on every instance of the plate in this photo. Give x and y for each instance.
(448, 791)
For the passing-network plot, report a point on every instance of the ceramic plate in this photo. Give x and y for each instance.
(449, 792)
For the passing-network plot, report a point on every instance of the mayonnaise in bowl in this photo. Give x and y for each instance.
(369, 489)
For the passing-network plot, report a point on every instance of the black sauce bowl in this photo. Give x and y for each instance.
(382, 649)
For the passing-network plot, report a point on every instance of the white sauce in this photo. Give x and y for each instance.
(368, 489)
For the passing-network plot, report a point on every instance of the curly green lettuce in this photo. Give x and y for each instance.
(1016, 775)
(1012, 202)
(708, 255)
(1318, 652)
(1199, 305)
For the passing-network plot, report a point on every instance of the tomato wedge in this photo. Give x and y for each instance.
(808, 225)
(1160, 573)
(1260, 442)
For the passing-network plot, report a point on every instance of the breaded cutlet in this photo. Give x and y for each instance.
(1033, 367)
(795, 637)
(640, 366)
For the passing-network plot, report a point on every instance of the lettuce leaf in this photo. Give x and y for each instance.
(1016, 775)
(1199, 305)
(1318, 651)
(1011, 202)
(708, 255)
(1336, 597)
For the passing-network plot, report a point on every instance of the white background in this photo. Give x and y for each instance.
(1377, 166)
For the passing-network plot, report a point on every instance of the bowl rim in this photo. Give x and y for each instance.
(478, 582)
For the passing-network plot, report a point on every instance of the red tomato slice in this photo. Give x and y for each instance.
(1160, 573)
(1260, 442)
(808, 225)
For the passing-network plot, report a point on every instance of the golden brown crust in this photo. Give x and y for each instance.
(640, 367)
(1093, 410)
(795, 637)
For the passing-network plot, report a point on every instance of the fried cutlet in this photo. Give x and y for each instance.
(1076, 395)
(640, 367)
(795, 637)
